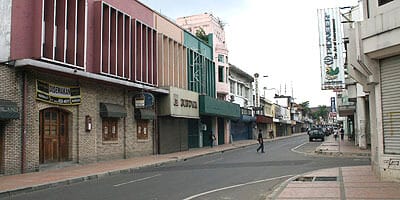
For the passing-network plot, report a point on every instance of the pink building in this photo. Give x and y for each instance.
(213, 25)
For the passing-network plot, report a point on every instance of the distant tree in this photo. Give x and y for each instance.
(322, 112)
(306, 107)
(200, 33)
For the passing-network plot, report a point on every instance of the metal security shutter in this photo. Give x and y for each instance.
(390, 77)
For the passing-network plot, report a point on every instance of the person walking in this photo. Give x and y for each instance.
(261, 142)
(212, 139)
(341, 134)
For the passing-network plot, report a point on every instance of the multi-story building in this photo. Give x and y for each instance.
(241, 87)
(86, 81)
(374, 62)
(214, 28)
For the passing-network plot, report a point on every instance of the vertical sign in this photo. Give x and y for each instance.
(331, 46)
(333, 104)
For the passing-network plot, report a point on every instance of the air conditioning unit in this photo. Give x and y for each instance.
(203, 127)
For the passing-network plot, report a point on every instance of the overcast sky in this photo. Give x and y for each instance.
(274, 38)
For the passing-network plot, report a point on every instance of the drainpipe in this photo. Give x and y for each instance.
(23, 125)
(125, 154)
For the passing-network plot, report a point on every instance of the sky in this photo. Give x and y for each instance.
(278, 39)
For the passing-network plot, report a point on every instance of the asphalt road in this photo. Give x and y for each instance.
(238, 174)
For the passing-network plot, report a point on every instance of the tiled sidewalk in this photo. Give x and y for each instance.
(351, 183)
(338, 183)
(341, 148)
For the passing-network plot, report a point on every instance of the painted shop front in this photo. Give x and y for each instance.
(214, 114)
(178, 121)
(242, 129)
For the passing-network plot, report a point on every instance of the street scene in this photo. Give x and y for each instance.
(182, 99)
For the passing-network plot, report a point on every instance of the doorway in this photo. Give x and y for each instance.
(54, 136)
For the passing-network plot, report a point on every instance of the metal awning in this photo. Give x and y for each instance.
(145, 114)
(112, 110)
(8, 110)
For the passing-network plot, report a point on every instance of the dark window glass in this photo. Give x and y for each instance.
(383, 2)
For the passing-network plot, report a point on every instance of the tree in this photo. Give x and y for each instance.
(306, 107)
(200, 33)
(322, 112)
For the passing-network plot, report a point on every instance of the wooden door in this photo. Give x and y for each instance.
(53, 135)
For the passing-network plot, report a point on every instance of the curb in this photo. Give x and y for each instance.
(278, 189)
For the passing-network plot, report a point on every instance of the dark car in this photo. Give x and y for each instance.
(316, 134)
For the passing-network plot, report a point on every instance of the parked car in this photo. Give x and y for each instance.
(316, 133)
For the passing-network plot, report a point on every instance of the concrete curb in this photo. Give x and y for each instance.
(278, 189)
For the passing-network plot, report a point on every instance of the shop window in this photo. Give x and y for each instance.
(220, 58)
(110, 129)
(142, 130)
(220, 73)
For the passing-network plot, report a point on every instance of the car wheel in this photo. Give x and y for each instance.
(310, 139)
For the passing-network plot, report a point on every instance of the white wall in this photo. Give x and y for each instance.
(5, 29)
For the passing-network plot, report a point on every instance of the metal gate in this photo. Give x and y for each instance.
(390, 78)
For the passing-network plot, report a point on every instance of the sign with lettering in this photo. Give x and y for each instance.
(180, 103)
(144, 100)
(57, 94)
(331, 46)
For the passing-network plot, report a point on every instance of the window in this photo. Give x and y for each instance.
(220, 73)
(221, 58)
(142, 130)
(232, 87)
(110, 129)
(383, 2)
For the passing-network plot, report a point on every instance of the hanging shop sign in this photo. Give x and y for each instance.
(57, 94)
(331, 45)
(180, 103)
(143, 100)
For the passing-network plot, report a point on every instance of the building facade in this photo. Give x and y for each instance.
(241, 87)
(374, 60)
(87, 81)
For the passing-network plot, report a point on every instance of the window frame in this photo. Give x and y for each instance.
(107, 126)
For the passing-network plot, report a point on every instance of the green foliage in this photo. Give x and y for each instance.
(322, 112)
(200, 33)
(306, 107)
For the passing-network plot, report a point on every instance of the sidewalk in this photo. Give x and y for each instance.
(341, 148)
(357, 182)
(10, 185)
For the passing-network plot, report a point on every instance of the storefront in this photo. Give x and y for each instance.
(178, 121)
(8, 113)
(264, 123)
(214, 115)
(242, 129)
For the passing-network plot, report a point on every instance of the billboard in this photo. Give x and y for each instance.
(331, 46)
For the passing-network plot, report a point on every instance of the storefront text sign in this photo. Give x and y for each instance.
(57, 94)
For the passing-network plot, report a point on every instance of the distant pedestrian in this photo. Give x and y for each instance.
(335, 135)
(271, 133)
(212, 139)
(341, 134)
(260, 141)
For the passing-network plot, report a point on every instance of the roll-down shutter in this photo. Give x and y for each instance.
(390, 77)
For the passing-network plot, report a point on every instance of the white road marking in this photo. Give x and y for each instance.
(235, 186)
(294, 149)
(138, 180)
